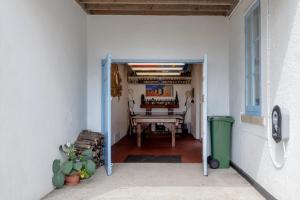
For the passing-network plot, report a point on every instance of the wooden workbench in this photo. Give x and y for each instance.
(139, 120)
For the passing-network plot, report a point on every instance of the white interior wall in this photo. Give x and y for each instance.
(156, 37)
(119, 110)
(43, 90)
(196, 110)
(250, 150)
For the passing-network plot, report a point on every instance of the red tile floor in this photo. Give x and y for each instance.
(189, 148)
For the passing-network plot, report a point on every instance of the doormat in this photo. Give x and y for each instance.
(152, 159)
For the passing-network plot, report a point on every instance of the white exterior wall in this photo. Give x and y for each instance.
(43, 82)
(43, 91)
(280, 70)
(154, 37)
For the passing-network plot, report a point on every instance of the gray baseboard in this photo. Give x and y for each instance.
(256, 185)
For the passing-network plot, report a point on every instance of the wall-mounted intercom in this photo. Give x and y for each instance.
(280, 124)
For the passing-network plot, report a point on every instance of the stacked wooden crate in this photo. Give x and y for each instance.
(91, 140)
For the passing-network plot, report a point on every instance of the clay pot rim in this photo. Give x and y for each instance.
(72, 175)
(72, 180)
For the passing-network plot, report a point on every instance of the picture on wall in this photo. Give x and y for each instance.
(159, 90)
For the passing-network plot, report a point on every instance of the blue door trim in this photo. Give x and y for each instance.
(106, 111)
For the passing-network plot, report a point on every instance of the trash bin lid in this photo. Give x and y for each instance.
(221, 118)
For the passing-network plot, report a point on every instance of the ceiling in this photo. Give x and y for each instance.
(158, 7)
(158, 69)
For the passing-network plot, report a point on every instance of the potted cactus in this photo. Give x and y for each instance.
(69, 171)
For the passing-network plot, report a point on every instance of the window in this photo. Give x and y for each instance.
(252, 61)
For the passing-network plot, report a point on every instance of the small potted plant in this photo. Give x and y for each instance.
(70, 171)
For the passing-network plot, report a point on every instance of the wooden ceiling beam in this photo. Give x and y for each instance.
(161, 2)
(83, 6)
(160, 13)
(154, 7)
(158, 7)
(234, 4)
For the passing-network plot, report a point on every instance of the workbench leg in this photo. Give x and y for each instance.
(173, 135)
(139, 133)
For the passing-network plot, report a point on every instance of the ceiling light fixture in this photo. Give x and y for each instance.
(164, 64)
(157, 68)
(158, 73)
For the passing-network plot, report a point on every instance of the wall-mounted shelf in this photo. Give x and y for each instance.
(159, 80)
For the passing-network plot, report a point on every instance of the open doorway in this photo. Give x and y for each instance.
(157, 110)
(155, 90)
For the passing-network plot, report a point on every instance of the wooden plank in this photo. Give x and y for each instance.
(166, 2)
(158, 7)
(149, 120)
(159, 13)
(155, 7)
(165, 116)
(234, 4)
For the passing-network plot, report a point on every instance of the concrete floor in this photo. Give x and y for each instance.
(159, 181)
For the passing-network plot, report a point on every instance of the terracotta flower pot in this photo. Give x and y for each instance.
(73, 179)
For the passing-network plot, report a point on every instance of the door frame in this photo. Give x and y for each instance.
(203, 61)
(206, 137)
(106, 106)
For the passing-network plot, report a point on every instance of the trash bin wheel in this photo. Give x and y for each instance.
(214, 164)
(209, 158)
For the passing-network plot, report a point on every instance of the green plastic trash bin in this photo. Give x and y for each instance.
(220, 131)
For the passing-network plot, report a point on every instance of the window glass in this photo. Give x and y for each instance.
(253, 68)
(248, 60)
